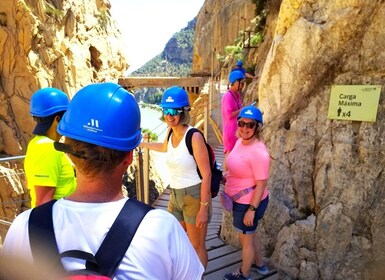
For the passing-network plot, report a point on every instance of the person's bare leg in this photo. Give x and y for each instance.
(197, 238)
(247, 253)
(258, 258)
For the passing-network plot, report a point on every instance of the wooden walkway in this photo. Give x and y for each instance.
(223, 258)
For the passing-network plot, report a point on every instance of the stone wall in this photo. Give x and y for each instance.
(14, 197)
(218, 25)
(64, 44)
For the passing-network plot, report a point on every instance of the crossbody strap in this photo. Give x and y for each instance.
(235, 99)
(243, 192)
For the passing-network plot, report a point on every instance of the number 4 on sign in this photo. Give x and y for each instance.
(346, 114)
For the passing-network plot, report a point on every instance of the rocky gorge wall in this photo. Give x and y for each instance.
(63, 44)
(327, 195)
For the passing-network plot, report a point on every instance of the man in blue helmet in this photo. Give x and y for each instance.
(101, 129)
(50, 175)
(239, 67)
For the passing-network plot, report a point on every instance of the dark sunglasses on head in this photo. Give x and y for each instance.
(172, 112)
(247, 124)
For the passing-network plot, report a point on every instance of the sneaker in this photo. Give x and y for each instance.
(236, 275)
(263, 270)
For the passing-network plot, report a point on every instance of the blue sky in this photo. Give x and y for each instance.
(147, 25)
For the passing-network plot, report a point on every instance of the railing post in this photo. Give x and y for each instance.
(206, 118)
(146, 170)
(139, 176)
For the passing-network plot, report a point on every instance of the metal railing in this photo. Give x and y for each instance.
(8, 159)
(13, 197)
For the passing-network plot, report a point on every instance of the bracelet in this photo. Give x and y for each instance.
(206, 204)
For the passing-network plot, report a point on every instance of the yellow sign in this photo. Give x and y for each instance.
(354, 102)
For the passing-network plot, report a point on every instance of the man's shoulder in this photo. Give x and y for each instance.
(41, 143)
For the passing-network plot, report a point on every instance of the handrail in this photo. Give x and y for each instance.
(12, 158)
(5, 222)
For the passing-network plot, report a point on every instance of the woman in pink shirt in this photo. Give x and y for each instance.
(231, 106)
(247, 171)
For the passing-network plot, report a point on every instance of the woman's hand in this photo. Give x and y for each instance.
(202, 217)
(248, 220)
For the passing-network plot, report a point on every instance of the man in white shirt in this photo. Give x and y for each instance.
(101, 129)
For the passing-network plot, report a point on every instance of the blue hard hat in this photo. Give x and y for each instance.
(175, 97)
(239, 63)
(103, 114)
(48, 101)
(236, 75)
(251, 112)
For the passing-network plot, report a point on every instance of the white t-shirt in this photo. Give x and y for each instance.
(160, 248)
(181, 166)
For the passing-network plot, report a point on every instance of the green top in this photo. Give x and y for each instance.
(45, 166)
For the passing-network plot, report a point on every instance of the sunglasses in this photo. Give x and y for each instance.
(247, 124)
(172, 112)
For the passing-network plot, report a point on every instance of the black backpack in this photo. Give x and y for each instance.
(216, 172)
(110, 252)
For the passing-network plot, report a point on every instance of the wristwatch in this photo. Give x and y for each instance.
(252, 208)
(206, 204)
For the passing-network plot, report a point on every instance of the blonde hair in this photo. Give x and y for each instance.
(185, 117)
(95, 160)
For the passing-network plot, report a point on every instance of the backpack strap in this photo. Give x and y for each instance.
(110, 252)
(190, 148)
(188, 139)
(119, 237)
(41, 234)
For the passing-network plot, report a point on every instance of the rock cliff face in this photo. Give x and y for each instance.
(218, 25)
(64, 44)
(327, 195)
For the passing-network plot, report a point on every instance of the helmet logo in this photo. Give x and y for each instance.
(248, 112)
(94, 123)
(93, 126)
(170, 99)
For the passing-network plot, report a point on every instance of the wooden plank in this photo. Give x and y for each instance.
(213, 230)
(218, 274)
(166, 191)
(211, 238)
(214, 243)
(221, 251)
(161, 203)
(214, 273)
(224, 262)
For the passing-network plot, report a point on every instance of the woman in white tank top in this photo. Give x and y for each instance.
(190, 199)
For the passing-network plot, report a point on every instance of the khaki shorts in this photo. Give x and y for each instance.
(184, 204)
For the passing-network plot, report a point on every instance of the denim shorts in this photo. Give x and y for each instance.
(239, 211)
(184, 204)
